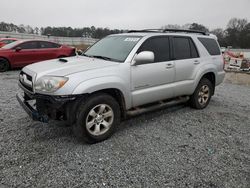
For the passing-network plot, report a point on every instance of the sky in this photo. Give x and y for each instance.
(122, 14)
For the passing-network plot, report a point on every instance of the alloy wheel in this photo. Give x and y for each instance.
(203, 95)
(99, 119)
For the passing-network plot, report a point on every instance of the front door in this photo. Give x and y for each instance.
(27, 54)
(152, 82)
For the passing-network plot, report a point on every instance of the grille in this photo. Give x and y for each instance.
(26, 81)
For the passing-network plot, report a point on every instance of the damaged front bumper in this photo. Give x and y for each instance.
(42, 107)
(30, 110)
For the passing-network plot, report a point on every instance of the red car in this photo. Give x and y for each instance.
(25, 52)
(4, 41)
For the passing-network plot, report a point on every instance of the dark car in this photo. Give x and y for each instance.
(5, 41)
(25, 52)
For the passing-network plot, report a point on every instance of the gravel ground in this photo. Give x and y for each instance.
(175, 147)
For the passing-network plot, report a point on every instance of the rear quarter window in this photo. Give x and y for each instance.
(211, 45)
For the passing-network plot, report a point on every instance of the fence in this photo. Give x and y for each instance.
(62, 40)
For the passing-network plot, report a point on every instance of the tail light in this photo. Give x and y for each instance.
(224, 62)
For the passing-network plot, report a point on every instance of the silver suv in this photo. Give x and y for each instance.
(123, 74)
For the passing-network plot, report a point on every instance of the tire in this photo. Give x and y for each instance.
(91, 124)
(202, 94)
(4, 65)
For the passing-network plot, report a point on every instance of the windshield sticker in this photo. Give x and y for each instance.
(132, 39)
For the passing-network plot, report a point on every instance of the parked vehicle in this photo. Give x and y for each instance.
(25, 52)
(123, 74)
(5, 41)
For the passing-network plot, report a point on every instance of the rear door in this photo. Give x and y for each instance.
(48, 50)
(187, 63)
(152, 81)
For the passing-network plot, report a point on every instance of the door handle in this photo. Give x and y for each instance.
(169, 65)
(197, 62)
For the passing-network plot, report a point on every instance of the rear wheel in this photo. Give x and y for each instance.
(4, 65)
(97, 118)
(202, 95)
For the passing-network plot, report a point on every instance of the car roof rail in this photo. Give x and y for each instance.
(168, 30)
(146, 31)
(186, 31)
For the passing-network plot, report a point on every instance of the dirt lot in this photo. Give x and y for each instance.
(240, 78)
(175, 147)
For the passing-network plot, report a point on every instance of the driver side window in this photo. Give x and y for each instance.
(160, 46)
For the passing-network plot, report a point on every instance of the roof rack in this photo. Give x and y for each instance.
(146, 31)
(186, 31)
(168, 30)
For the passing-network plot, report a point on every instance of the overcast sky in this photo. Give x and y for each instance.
(122, 14)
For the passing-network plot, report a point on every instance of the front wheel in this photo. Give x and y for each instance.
(202, 95)
(97, 118)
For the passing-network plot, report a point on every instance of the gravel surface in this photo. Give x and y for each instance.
(175, 147)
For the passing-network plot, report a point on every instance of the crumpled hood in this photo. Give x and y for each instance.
(74, 65)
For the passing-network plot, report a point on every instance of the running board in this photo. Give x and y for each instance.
(157, 106)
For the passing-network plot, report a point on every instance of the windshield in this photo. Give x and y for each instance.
(116, 48)
(11, 45)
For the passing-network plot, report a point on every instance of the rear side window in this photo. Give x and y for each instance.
(211, 46)
(44, 44)
(160, 46)
(184, 48)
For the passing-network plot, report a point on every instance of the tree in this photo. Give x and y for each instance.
(198, 27)
(244, 38)
(220, 33)
(233, 32)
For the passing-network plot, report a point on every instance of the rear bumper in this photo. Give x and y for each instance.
(31, 111)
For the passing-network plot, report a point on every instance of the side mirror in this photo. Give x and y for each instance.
(18, 49)
(144, 58)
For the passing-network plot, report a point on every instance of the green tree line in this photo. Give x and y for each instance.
(236, 34)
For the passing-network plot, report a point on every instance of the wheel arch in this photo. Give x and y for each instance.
(117, 95)
(5, 58)
(210, 75)
(2, 57)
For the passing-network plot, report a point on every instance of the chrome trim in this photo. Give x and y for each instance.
(24, 89)
(23, 79)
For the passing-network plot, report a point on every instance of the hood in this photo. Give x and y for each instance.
(73, 65)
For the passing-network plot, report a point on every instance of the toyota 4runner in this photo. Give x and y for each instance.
(120, 75)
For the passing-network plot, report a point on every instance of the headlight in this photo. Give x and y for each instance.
(50, 84)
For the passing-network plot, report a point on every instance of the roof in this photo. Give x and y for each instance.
(143, 34)
(176, 32)
(169, 31)
(29, 40)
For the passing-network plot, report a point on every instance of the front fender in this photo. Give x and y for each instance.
(107, 82)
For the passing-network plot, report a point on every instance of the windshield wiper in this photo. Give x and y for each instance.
(101, 57)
